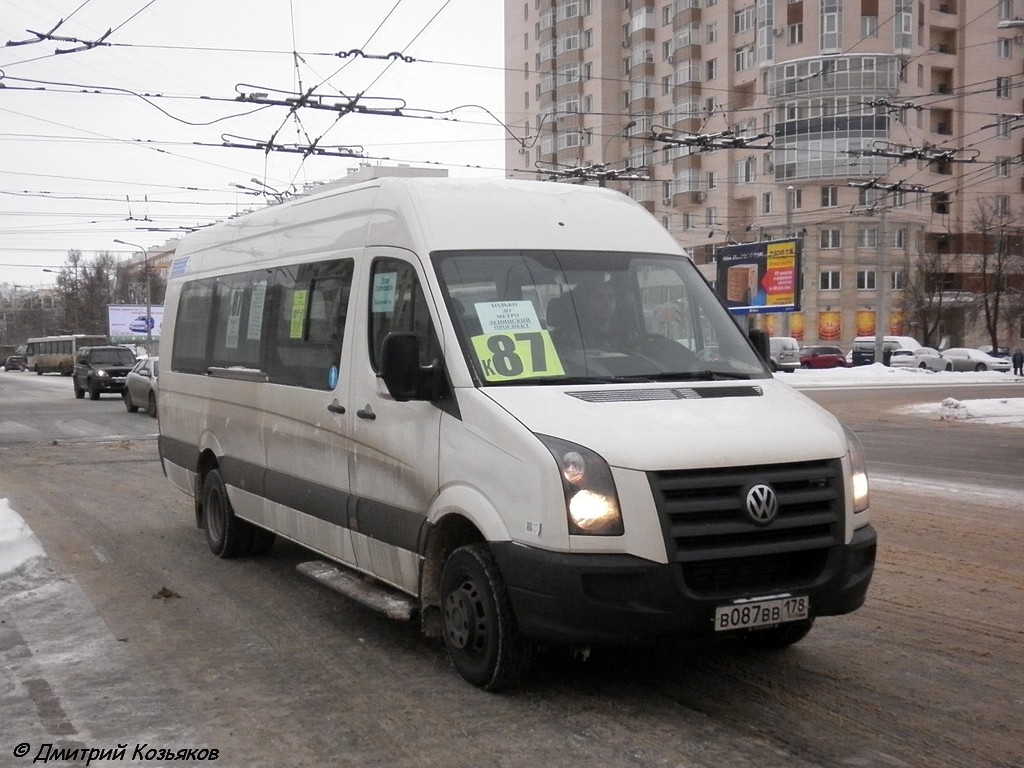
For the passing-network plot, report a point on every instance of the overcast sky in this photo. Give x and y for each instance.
(124, 139)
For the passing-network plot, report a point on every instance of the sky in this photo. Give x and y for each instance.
(124, 138)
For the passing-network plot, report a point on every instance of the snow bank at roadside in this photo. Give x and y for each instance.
(18, 545)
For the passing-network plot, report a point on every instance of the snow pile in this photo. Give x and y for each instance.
(18, 545)
(1006, 411)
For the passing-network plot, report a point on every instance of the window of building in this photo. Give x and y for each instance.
(712, 69)
(1002, 203)
(1003, 48)
(865, 279)
(766, 202)
(1003, 124)
(712, 180)
(829, 197)
(867, 237)
(829, 280)
(796, 33)
(796, 198)
(1003, 87)
(831, 26)
(1005, 9)
(744, 19)
(1002, 166)
(899, 238)
(869, 26)
(711, 216)
(712, 32)
(897, 280)
(830, 239)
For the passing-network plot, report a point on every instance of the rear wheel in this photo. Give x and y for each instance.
(151, 408)
(478, 624)
(79, 392)
(132, 407)
(979, 367)
(782, 636)
(227, 535)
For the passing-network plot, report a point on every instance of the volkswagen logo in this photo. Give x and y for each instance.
(762, 504)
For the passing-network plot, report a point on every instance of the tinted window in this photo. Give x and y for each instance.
(397, 303)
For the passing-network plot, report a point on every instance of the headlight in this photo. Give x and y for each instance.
(102, 374)
(861, 500)
(591, 503)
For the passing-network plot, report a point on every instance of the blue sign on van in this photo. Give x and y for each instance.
(332, 377)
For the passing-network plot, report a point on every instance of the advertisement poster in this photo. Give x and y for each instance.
(760, 277)
(129, 324)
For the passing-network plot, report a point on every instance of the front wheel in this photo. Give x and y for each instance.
(128, 404)
(478, 625)
(979, 367)
(227, 535)
(94, 391)
(79, 392)
(782, 636)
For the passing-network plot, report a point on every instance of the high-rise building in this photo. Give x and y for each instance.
(890, 142)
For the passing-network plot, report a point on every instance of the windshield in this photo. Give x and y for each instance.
(112, 357)
(558, 316)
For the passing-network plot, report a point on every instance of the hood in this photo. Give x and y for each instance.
(666, 426)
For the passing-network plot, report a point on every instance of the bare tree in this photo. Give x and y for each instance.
(998, 258)
(927, 295)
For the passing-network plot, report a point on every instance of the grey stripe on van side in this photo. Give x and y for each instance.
(391, 525)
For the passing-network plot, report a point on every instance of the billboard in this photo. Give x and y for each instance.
(128, 322)
(760, 277)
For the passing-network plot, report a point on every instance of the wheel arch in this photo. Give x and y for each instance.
(448, 533)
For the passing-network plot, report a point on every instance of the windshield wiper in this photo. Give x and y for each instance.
(705, 375)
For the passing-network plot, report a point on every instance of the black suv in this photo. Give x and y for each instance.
(101, 369)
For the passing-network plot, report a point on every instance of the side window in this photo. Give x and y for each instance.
(397, 303)
(238, 320)
(190, 327)
(309, 311)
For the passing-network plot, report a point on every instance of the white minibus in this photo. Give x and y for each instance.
(514, 411)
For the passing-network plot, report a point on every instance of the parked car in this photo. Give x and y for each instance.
(863, 352)
(101, 369)
(16, 363)
(785, 353)
(999, 351)
(922, 357)
(964, 359)
(822, 357)
(140, 386)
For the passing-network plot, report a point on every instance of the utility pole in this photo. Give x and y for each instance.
(149, 305)
(881, 259)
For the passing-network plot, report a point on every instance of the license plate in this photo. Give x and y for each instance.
(765, 612)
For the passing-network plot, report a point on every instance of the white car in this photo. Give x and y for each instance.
(965, 359)
(922, 357)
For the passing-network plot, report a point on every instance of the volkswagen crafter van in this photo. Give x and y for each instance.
(514, 411)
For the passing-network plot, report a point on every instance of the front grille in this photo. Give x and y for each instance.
(720, 550)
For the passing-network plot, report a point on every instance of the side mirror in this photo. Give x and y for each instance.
(400, 365)
(760, 341)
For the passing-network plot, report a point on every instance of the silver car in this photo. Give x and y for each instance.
(922, 357)
(965, 359)
(140, 386)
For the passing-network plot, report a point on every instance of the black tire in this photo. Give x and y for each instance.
(227, 535)
(151, 408)
(94, 391)
(79, 392)
(922, 366)
(128, 404)
(949, 367)
(782, 636)
(478, 624)
(979, 367)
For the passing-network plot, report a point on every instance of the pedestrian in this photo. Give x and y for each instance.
(1018, 362)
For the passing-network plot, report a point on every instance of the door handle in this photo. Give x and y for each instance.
(336, 407)
(366, 413)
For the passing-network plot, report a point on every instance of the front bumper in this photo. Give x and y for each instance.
(595, 599)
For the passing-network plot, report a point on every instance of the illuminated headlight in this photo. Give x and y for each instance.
(591, 503)
(861, 499)
(102, 374)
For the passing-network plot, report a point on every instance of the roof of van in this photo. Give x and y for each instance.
(429, 214)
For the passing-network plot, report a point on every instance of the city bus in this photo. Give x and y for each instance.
(56, 354)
